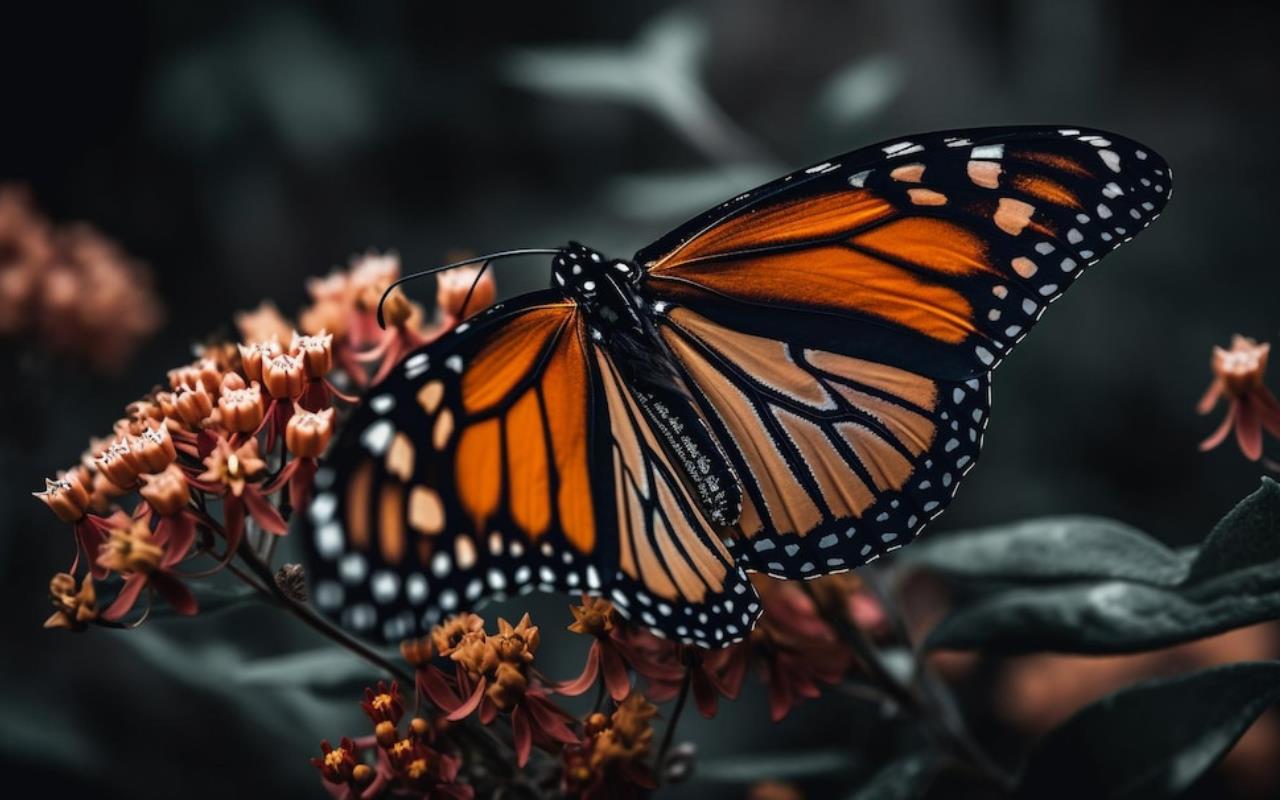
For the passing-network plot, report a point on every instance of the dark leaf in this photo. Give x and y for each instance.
(1131, 602)
(1053, 549)
(1152, 740)
(906, 778)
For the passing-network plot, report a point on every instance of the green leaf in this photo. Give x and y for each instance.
(1152, 740)
(906, 778)
(1138, 595)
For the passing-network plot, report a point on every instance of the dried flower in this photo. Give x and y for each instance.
(1238, 376)
(307, 433)
(73, 609)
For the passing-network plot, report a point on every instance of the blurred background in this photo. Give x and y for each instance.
(236, 149)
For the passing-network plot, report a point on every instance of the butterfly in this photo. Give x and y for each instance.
(792, 383)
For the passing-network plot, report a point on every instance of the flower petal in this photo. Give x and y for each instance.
(521, 735)
(128, 596)
(263, 512)
(464, 710)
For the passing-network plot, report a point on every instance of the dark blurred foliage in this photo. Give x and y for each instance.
(239, 147)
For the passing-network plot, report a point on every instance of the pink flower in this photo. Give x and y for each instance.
(1238, 375)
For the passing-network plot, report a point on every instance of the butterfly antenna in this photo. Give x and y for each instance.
(485, 259)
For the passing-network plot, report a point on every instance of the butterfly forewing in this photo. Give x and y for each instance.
(508, 457)
(839, 325)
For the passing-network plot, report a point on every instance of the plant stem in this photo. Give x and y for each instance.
(316, 622)
(669, 734)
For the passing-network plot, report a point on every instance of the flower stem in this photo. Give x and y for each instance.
(313, 620)
(670, 732)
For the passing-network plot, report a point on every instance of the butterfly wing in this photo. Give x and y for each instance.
(487, 464)
(840, 324)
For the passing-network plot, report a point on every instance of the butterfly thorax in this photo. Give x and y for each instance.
(606, 290)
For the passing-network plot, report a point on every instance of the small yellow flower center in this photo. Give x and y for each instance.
(233, 465)
(335, 757)
(417, 768)
(401, 747)
(382, 702)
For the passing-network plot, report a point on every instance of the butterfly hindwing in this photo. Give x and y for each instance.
(839, 325)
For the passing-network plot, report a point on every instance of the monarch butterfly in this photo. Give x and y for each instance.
(792, 383)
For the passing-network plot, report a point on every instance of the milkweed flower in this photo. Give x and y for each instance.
(597, 618)
(145, 561)
(611, 760)
(1238, 376)
(73, 608)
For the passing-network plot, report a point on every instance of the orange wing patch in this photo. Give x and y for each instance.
(822, 217)
(510, 356)
(838, 279)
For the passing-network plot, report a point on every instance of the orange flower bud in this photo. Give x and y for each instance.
(453, 285)
(1242, 368)
(595, 723)
(362, 774)
(66, 497)
(117, 465)
(253, 355)
(419, 727)
(284, 376)
(167, 492)
(307, 433)
(194, 405)
(316, 352)
(594, 617)
(242, 409)
(203, 371)
(152, 450)
(385, 732)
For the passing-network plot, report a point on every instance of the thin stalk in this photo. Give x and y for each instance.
(669, 734)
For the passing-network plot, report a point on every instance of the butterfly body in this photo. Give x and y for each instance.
(793, 383)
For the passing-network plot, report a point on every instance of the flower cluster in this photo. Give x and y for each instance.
(239, 429)
(405, 763)
(69, 287)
